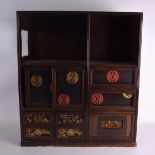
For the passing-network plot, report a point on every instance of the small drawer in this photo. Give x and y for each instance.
(112, 98)
(42, 118)
(70, 133)
(37, 132)
(68, 118)
(113, 76)
(111, 125)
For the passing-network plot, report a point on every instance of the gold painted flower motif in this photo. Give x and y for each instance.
(72, 77)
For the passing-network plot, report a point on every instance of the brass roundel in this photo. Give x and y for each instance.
(72, 77)
(36, 80)
(127, 95)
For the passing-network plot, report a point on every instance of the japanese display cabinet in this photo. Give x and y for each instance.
(78, 77)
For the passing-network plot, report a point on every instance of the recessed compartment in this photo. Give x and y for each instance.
(114, 38)
(112, 126)
(56, 36)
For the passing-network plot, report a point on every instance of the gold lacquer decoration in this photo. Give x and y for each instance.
(65, 118)
(37, 118)
(127, 95)
(72, 77)
(37, 132)
(36, 80)
(111, 124)
(69, 133)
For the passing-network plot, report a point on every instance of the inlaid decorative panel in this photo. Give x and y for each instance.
(37, 132)
(37, 117)
(69, 133)
(69, 118)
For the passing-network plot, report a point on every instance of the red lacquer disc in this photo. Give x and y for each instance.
(112, 76)
(63, 99)
(97, 98)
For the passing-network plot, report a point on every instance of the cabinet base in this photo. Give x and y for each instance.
(67, 144)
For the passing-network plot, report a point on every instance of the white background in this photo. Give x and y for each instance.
(9, 111)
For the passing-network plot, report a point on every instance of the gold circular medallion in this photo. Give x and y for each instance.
(72, 77)
(36, 80)
(127, 95)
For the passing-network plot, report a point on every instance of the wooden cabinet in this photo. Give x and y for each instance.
(78, 77)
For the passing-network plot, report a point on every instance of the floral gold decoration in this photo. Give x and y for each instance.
(36, 118)
(36, 80)
(72, 77)
(69, 118)
(37, 132)
(69, 133)
(111, 124)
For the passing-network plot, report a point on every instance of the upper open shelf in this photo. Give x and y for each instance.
(73, 36)
(114, 38)
(56, 36)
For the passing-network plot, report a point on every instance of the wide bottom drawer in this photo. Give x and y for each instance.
(112, 126)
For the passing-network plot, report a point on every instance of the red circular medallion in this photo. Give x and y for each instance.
(112, 76)
(97, 98)
(63, 99)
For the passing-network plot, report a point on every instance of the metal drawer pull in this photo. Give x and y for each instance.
(111, 124)
(127, 95)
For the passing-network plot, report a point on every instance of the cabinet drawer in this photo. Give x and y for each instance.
(73, 133)
(37, 132)
(42, 118)
(111, 125)
(112, 98)
(68, 118)
(113, 76)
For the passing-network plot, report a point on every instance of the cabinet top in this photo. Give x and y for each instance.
(78, 12)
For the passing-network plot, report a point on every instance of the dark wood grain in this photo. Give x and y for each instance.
(90, 44)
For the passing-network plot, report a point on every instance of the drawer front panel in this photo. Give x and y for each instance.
(99, 98)
(70, 133)
(69, 88)
(39, 81)
(37, 132)
(111, 126)
(67, 118)
(113, 77)
(37, 118)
